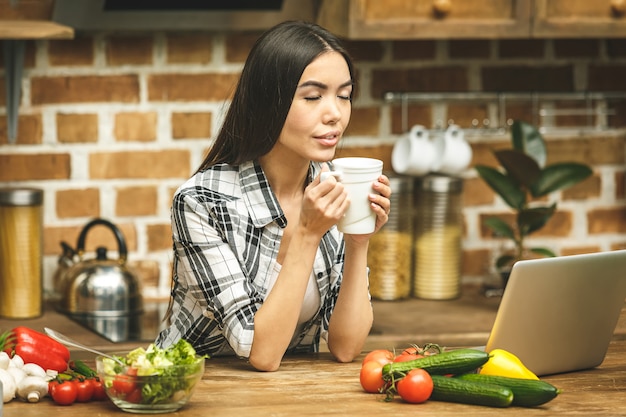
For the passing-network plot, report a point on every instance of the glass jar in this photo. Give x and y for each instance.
(21, 278)
(438, 233)
(389, 255)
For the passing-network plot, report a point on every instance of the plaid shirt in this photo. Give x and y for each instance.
(227, 228)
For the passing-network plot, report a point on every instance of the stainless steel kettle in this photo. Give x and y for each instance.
(99, 287)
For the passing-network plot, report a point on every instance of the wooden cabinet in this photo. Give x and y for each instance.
(473, 19)
(579, 18)
(432, 19)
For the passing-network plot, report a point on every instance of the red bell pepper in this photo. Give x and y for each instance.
(38, 348)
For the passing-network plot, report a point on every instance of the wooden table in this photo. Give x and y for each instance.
(316, 385)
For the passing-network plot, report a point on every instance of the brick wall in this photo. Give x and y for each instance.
(111, 124)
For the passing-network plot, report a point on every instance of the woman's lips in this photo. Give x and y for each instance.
(330, 139)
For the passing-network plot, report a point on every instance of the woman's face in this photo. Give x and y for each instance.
(320, 110)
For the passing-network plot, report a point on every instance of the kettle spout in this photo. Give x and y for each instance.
(67, 256)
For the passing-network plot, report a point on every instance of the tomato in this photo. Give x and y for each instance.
(84, 390)
(134, 396)
(99, 392)
(125, 383)
(371, 376)
(404, 357)
(416, 386)
(64, 393)
(382, 356)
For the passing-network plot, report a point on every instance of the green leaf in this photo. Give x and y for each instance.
(503, 185)
(500, 227)
(532, 219)
(504, 260)
(559, 176)
(521, 167)
(527, 139)
(543, 252)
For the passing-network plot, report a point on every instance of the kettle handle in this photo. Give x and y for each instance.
(121, 243)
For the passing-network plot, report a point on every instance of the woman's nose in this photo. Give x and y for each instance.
(332, 111)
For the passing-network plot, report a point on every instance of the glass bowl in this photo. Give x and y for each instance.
(165, 392)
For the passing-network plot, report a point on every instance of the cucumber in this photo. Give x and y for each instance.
(452, 362)
(469, 392)
(526, 392)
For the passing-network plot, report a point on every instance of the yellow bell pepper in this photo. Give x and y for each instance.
(504, 363)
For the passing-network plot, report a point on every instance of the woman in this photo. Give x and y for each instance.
(260, 269)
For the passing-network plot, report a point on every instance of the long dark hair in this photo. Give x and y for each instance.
(266, 88)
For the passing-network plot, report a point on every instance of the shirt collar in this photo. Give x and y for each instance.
(259, 198)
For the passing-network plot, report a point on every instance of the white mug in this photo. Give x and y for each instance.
(455, 153)
(358, 175)
(414, 154)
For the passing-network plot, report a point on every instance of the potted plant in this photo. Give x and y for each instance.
(522, 178)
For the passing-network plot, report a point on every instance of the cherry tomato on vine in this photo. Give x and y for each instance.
(99, 392)
(64, 393)
(84, 390)
(382, 356)
(416, 386)
(371, 376)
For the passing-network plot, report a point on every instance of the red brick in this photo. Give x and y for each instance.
(129, 50)
(469, 49)
(75, 52)
(146, 272)
(189, 48)
(620, 185)
(135, 126)
(136, 201)
(476, 262)
(609, 77)
(159, 164)
(521, 48)
(465, 114)
(364, 122)
(576, 48)
(432, 79)
(616, 48)
(25, 167)
(590, 188)
(159, 237)
(364, 51)
(528, 78)
(191, 87)
(607, 220)
(77, 128)
(191, 125)
(78, 203)
(476, 192)
(411, 50)
(85, 89)
(238, 46)
(29, 130)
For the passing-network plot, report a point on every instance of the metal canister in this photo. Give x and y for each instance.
(21, 242)
(389, 255)
(439, 230)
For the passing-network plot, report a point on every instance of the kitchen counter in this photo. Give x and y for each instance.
(316, 385)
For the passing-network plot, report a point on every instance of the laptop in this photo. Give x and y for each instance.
(559, 314)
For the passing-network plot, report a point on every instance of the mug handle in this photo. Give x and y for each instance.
(324, 175)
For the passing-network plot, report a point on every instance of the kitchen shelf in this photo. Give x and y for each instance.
(594, 107)
(34, 29)
(13, 34)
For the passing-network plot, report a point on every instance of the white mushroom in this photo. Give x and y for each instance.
(17, 373)
(5, 360)
(16, 361)
(32, 388)
(33, 369)
(8, 386)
